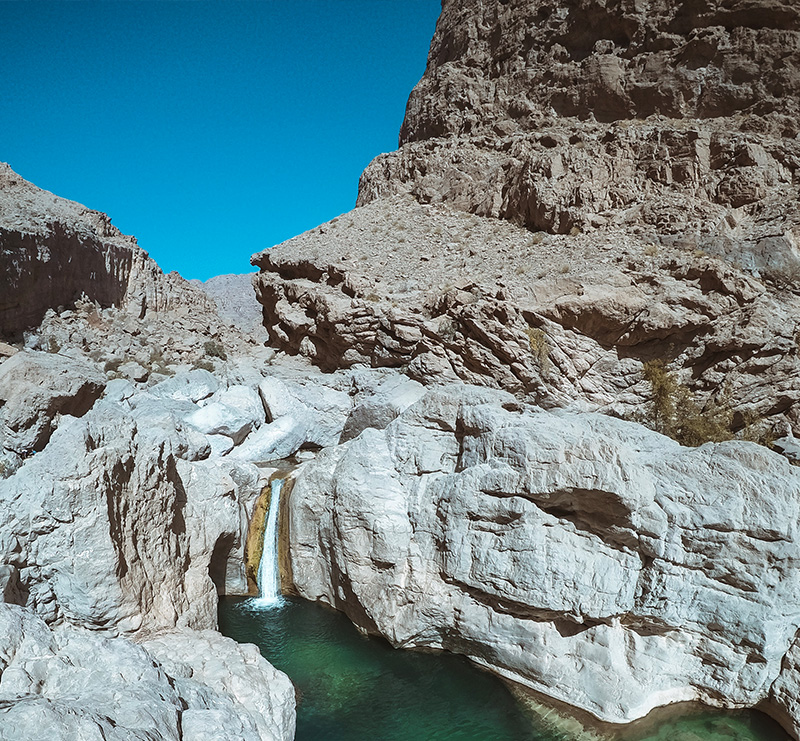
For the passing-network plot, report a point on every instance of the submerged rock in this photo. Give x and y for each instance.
(591, 559)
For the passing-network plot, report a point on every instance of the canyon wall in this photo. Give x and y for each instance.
(54, 252)
(586, 557)
(580, 189)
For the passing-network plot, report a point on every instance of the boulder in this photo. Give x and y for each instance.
(193, 386)
(74, 685)
(586, 557)
(298, 414)
(35, 389)
(216, 418)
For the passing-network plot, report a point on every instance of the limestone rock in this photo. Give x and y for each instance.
(299, 414)
(586, 557)
(790, 447)
(159, 529)
(55, 251)
(35, 389)
(206, 665)
(649, 166)
(381, 404)
(194, 386)
(216, 418)
(75, 685)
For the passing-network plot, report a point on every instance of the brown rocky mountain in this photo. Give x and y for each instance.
(73, 281)
(580, 188)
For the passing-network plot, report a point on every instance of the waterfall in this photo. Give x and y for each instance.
(269, 577)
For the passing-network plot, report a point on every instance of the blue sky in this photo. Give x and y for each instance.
(210, 130)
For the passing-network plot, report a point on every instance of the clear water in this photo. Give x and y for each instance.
(353, 688)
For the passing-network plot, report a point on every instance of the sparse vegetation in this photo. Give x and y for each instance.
(540, 349)
(675, 412)
(214, 349)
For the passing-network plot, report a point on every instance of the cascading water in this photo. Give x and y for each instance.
(269, 578)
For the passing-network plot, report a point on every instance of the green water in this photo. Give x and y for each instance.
(352, 688)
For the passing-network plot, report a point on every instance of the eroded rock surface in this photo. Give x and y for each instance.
(74, 685)
(579, 189)
(593, 560)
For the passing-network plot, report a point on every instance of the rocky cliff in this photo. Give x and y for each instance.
(120, 524)
(56, 254)
(580, 188)
(586, 557)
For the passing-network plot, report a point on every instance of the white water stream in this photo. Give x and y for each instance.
(269, 577)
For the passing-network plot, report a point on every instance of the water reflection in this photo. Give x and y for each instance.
(353, 688)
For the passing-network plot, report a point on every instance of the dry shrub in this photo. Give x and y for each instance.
(539, 347)
(675, 413)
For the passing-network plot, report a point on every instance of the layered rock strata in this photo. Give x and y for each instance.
(56, 253)
(645, 154)
(586, 557)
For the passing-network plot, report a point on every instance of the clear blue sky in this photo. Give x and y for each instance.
(210, 130)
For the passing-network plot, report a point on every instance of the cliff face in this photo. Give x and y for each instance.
(503, 67)
(54, 251)
(586, 557)
(645, 153)
(560, 116)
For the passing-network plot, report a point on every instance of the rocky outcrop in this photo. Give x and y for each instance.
(55, 251)
(72, 684)
(495, 63)
(122, 524)
(129, 485)
(551, 116)
(566, 320)
(593, 560)
(36, 389)
(579, 189)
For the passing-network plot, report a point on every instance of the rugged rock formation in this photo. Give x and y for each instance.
(121, 522)
(551, 114)
(646, 153)
(591, 559)
(76, 685)
(130, 486)
(54, 251)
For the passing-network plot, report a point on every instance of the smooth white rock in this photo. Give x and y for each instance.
(72, 684)
(589, 558)
(192, 385)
